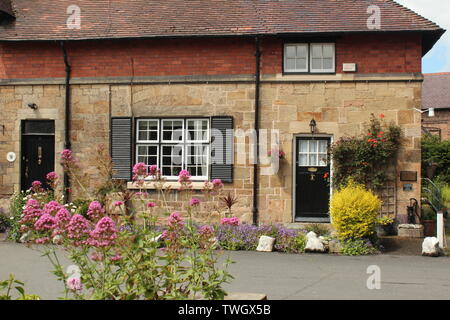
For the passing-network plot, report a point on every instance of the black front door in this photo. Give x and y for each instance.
(312, 179)
(38, 151)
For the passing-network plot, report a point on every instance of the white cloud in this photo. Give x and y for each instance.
(437, 11)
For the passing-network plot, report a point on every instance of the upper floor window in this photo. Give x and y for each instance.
(309, 57)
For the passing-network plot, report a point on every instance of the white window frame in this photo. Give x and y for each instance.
(185, 143)
(208, 159)
(286, 45)
(147, 141)
(188, 138)
(182, 129)
(183, 151)
(149, 145)
(316, 153)
(333, 68)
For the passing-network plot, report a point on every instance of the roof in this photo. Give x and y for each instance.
(436, 90)
(100, 19)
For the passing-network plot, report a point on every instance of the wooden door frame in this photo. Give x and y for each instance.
(22, 144)
(294, 177)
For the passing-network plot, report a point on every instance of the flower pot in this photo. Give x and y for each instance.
(385, 230)
(429, 228)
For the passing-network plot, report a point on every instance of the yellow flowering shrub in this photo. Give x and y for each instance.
(354, 211)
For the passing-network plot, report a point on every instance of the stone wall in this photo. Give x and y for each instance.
(340, 109)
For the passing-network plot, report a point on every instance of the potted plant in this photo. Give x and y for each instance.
(385, 226)
(428, 221)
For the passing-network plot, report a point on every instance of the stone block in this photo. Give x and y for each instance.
(410, 230)
(265, 244)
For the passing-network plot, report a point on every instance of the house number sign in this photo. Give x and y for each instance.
(11, 157)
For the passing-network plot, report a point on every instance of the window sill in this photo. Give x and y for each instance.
(149, 185)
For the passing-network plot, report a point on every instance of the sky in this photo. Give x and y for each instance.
(438, 11)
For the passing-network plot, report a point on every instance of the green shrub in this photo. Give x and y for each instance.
(428, 213)
(354, 211)
(435, 151)
(4, 222)
(17, 203)
(318, 229)
(357, 248)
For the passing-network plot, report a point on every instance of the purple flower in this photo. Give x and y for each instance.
(194, 202)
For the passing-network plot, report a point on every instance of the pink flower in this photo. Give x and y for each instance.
(230, 221)
(31, 212)
(217, 183)
(95, 211)
(62, 218)
(104, 234)
(153, 170)
(139, 171)
(78, 229)
(42, 240)
(52, 207)
(175, 219)
(206, 230)
(66, 155)
(194, 202)
(117, 257)
(52, 176)
(165, 234)
(36, 185)
(151, 205)
(118, 203)
(184, 178)
(95, 256)
(45, 223)
(74, 284)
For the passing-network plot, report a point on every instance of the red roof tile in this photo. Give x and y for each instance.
(46, 19)
(436, 91)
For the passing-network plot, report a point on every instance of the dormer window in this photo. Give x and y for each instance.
(309, 58)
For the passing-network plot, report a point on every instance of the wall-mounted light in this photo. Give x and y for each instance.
(312, 126)
(430, 111)
(32, 106)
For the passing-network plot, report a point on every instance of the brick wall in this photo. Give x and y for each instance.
(228, 56)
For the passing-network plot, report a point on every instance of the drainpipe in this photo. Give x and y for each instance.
(67, 143)
(256, 157)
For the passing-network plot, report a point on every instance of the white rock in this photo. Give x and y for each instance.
(157, 238)
(265, 244)
(430, 247)
(314, 244)
(24, 238)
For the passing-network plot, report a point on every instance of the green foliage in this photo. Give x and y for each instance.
(437, 152)
(318, 229)
(7, 286)
(365, 158)
(357, 247)
(15, 210)
(428, 213)
(5, 222)
(354, 211)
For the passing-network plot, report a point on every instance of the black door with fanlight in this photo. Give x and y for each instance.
(38, 151)
(312, 190)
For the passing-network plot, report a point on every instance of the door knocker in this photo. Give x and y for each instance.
(39, 155)
(312, 177)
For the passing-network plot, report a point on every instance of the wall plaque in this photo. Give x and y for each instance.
(408, 176)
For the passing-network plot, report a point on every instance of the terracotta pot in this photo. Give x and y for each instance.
(429, 228)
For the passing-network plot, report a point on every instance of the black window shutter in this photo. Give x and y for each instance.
(121, 143)
(222, 148)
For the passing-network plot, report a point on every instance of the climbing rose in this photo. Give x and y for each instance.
(104, 234)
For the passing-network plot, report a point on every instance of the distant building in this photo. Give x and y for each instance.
(436, 94)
